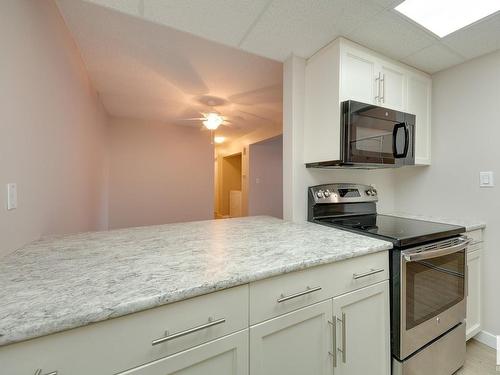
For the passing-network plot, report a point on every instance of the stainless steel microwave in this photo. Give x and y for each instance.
(373, 137)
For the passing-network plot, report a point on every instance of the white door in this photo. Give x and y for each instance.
(473, 320)
(358, 77)
(419, 104)
(224, 356)
(363, 331)
(392, 86)
(297, 343)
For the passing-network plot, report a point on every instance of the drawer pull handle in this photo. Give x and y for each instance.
(295, 295)
(39, 372)
(356, 276)
(168, 337)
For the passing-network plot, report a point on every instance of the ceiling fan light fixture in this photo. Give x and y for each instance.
(213, 121)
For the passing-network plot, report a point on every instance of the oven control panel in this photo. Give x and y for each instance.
(343, 193)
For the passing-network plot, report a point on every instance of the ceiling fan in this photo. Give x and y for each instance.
(210, 120)
(237, 109)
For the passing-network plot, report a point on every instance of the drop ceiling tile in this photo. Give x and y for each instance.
(303, 27)
(224, 21)
(386, 3)
(392, 35)
(132, 7)
(478, 39)
(434, 58)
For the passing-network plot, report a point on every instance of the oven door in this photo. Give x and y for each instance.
(433, 292)
(377, 135)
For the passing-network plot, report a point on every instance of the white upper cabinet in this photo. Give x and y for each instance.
(358, 77)
(344, 71)
(419, 104)
(392, 86)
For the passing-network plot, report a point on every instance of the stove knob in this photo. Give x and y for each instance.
(320, 194)
(369, 192)
(327, 193)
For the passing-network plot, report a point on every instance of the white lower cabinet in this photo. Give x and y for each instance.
(224, 356)
(296, 343)
(363, 331)
(473, 320)
(326, 320)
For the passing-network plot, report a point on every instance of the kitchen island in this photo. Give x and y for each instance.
(59, 283)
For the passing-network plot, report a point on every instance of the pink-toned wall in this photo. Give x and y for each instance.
(265, 191)
(52, 128)
(159, 173)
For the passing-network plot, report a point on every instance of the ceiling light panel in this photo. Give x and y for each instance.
(444, 17)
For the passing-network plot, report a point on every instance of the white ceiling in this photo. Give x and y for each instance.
(277, 28)
(147, 71)
(163, 59)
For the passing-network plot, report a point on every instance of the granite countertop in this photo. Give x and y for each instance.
(469, 224)
(60, 283)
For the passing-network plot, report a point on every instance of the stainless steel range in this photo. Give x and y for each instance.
(428, 276)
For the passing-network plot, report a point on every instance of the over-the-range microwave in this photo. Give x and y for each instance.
(373, 137)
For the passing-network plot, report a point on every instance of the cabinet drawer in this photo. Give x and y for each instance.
(475, 235)
(282, 294)
(126, 342)
(224, 356)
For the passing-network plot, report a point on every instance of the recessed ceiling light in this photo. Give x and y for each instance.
(443, 17)
(219, 139)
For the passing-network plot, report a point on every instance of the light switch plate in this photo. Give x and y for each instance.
(486, 179)
(11, 196)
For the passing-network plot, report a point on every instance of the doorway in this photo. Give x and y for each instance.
(230, 200)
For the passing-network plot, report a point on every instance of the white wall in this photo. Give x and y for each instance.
(265, 191)
(159, 173)
(52, 128)
(465, 141)
(296, 177)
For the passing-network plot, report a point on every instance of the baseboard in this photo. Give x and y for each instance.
(487, 339)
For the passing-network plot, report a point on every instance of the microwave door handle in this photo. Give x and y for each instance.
(436, 253)
(395, 131)
(407, 141)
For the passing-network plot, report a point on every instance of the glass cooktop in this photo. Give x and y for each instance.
(400, 231)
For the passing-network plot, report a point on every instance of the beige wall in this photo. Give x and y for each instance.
(52, 128)
(265, 192)
(159, 173)
(465, 141)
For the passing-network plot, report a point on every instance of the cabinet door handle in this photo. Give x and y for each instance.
(308, 290)
(356, 276)
(39, 372)
(344, 349)
(169, 337)
(377, 82)
(333, 353)
(382, 85)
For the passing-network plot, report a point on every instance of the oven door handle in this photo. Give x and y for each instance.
(437, 253)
